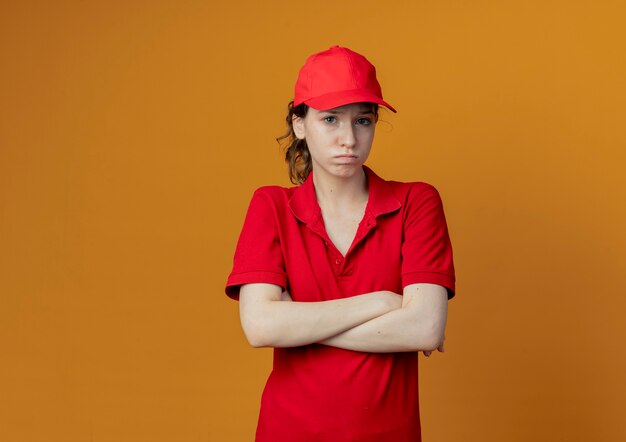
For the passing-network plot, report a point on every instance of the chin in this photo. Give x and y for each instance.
(347, 170)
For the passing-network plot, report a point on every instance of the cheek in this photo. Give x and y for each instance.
(317, 137)
(367, 136)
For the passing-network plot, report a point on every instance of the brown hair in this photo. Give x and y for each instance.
(297, 154)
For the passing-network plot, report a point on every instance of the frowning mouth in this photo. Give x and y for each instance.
(347, 159)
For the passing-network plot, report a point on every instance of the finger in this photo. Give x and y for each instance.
(441, 348)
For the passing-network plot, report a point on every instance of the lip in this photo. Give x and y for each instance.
(346, 159)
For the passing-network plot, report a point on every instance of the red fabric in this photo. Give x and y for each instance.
(321, 393)
(336, 77)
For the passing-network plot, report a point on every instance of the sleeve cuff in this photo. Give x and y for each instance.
(235, 281)
(442, 279)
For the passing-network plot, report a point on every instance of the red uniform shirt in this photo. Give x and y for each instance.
(321, 393)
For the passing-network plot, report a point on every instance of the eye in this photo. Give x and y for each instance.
(364, 121)
(330, 119)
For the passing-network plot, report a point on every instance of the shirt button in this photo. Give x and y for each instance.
(337, 261)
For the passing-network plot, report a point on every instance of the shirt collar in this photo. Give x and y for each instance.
(381, 199)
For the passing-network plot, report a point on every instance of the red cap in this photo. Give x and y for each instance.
(335, 77)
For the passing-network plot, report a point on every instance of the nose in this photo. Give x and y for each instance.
(348, 138)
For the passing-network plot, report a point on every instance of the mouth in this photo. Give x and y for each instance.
(347, 159)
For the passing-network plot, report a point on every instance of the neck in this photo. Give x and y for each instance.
(340, 191)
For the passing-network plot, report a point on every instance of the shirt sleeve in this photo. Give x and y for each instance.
(258, 256)
(426, 248)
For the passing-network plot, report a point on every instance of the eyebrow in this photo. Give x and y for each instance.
(361, 111)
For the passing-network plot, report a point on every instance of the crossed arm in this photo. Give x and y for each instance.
(372, 322)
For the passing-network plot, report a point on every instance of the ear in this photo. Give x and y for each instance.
(298, 126)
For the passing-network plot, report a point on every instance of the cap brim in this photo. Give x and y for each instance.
(341, 98)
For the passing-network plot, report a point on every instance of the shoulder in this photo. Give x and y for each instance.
(272, 198)
(418, 199)
(414, 192)
(272, 193)
(402, 191)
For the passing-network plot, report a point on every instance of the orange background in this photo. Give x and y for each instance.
(132, 135)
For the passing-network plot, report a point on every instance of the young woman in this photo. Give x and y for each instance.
(346, 275)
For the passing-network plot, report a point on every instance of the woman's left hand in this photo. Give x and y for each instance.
(440, 349)
(285, 296)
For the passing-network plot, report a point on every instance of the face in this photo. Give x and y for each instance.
(339, 139)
